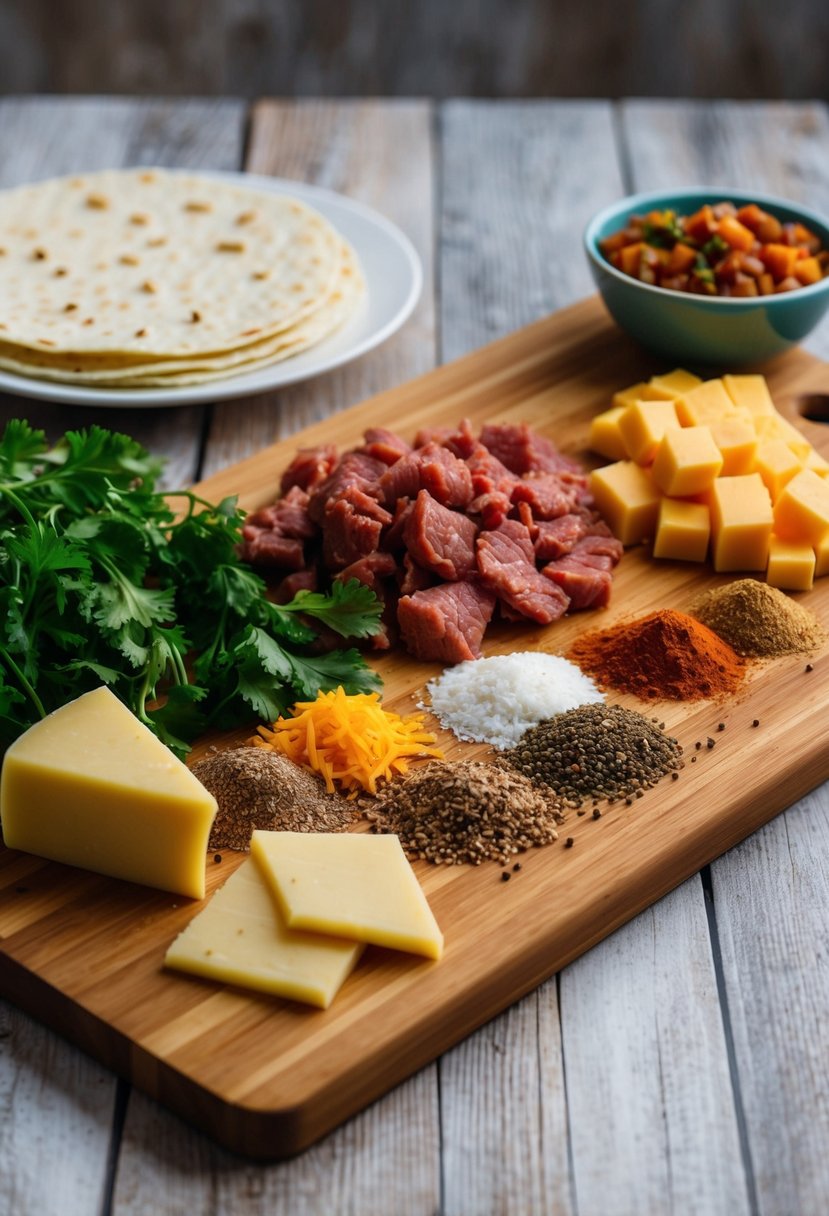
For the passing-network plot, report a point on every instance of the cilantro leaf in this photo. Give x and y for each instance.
(351, 609)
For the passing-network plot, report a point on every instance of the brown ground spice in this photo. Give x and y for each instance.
(756, 619)
(468, 811)
(256, 788)
(663, 656)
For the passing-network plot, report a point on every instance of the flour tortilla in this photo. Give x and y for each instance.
(130, 266)
(338, 307)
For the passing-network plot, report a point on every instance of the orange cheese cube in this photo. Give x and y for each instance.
(737, 443)
(777, 464)
(627, 498)
(687, 461)
(707, 402)
(791, 565)
(604, 434)
(817, 463)
(682, 530)
(741, 522)
(775, 426)
(822, 556)
(643, 424)
(750, 393)
(676, 382)
(802, 510)
(640, 392)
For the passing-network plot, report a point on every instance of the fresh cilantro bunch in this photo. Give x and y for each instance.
(105, 579)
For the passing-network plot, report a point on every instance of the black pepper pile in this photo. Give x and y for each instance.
(466, 812)
(595, 751)
(258, 788)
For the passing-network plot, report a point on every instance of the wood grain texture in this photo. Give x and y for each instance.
(199, 1048)
(45, 137)
(328, 145)
(483, 48)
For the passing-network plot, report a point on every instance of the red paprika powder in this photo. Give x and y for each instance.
(663, 656)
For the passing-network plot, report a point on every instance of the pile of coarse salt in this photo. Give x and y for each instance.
(495, 700)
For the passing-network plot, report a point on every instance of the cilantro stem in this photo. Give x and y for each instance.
(25, 685)
(19, 504)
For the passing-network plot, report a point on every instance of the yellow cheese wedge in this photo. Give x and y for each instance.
(682, 530)
(750, 392)
(777, 464)
(352, 885)
(604, 434)
(802, 510)
(741, 522)
(91, 786)
(627, 498)
(641, 392)
(241, 938)
(643, 424)
(687, 461)
(791, 565)
(676, 382)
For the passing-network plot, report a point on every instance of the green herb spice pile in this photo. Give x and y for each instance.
(105, 579)
(596, 751)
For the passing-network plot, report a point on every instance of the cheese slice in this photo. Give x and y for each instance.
(241, 938)
(91, 786)
(353, 885)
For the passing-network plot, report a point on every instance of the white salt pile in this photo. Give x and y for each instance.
(495, 700)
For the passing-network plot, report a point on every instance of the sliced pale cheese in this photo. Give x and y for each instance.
(91, 786)
(353, 885)
(241, 938)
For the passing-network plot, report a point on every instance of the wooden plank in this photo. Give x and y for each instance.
(378, 153)
(513, 202)
(774, 990)
(46, 137)
(199, 1048)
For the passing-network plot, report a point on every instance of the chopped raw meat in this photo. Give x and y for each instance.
(547, 494)
(557, 537)
(431, 468)
(603, 542)
(523, 450)
(507, 564)
(586, 587)
(445, 623)
(393, 536)
(493, 508)
(266, 547)
(488, 473)
(439, 539)
(300, 580)
(354, 470)
(414, 577)
(348, 535)
(288, 516)
(384, 445)
(309, 467)
(371, 570)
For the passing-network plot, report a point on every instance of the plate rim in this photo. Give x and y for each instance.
(233, 387)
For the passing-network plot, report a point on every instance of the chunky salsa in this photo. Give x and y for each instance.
(720, 250)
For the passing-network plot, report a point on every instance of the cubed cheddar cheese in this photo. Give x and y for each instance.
(775, 426)
(682, 530)
(791, 565)
(737, 442)
(802, 510)
(604, 434)
(676, 382)
(643, 424)
(750, 392)
(741, 522)
(625, 495)
(817, 463)
(91, 786)
(707, 402)
(687, 461)
(822, 556)
(777, 464)
(640, 392)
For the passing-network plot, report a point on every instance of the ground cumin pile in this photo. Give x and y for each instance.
(756, 619)
(663, 656)
(256, 788)
(468, 811)
(596, 751)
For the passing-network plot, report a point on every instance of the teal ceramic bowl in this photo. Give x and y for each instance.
(705, 329)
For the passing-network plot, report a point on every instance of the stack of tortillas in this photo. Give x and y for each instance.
(143, 278)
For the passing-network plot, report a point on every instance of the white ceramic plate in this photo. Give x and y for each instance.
(394, 279)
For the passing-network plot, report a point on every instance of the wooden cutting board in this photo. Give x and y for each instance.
(265, 1077)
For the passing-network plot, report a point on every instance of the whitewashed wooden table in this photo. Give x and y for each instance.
(681, 1066)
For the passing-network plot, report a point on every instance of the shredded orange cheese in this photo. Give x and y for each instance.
(349, 739)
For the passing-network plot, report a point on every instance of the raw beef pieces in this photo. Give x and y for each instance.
(445, 531)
